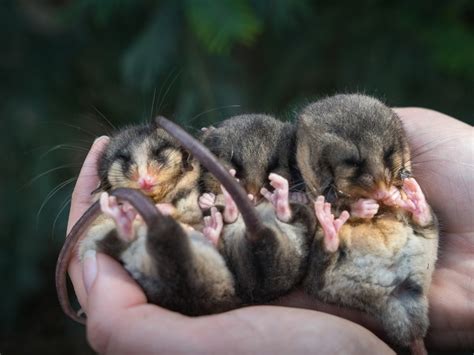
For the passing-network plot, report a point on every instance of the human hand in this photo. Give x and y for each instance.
(443, 163)
(119, 319)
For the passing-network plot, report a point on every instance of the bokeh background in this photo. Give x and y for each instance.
(73, 70)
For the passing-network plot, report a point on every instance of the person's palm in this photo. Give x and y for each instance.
(443, 163)
(442, 150)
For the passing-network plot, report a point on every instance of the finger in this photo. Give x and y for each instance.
(319, 204)
(207, 221)
(319, 210)
(104, 201)
(341, 220)
(86, 182)
(213, 217)
(113, 201)
(327, 208)
(267, 194)
(81, 200)
(104, 306)
(207, 198)
(278, 182)
(219, 220)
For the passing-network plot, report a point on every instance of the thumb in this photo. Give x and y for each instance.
(111, 291)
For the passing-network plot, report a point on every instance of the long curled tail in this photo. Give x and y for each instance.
(205, 157)
(140, 202)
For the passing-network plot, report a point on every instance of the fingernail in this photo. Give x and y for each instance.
(100, 139)
(89, 268)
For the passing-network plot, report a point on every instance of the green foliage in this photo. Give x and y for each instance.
(222, 24)
(154, 49)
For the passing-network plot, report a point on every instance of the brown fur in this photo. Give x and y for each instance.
(276, 262)
(348, 146)
(178, 269)
(255, 146)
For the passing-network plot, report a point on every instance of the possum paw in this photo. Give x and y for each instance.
(122, 215)
(416, 202)
(364, 208)
(207, 201)
(231, 211)
(279, 197)
(329, 225)
(213, 225)
(166, 208)
(389, 198)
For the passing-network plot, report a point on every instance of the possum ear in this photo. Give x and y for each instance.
(187, 164)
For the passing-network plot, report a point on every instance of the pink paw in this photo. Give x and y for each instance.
(389, 198)
(231, 211)
(213, 225)
(416, 202)
(279, 197)
(207, 201)
(166, 208)
(364, 208)
(298, 197)
(330, 226)
(123, 215)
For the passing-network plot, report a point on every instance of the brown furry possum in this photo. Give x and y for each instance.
(176, 265)
(352, 151)
(145, 157)
(259, 147)
(255, 145)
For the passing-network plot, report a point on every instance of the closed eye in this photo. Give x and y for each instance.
(124, 156)
(238, 166)
(273, 165)
(353, 162)
(161, 155)
(388, 154)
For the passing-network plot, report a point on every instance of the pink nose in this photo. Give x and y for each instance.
(146, 182)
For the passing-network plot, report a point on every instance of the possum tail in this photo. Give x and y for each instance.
(252, 221)
(140, 202)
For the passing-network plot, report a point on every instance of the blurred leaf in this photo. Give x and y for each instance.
(221, 24)
(103, 10)
(155, 49)
(453, 49)
(282, 14)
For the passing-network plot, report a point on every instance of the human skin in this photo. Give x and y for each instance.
(443, 164)
(122, 321)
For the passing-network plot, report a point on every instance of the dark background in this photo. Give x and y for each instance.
(67, 68)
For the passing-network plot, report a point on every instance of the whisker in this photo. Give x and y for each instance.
(47, 172)
(78, 128)
(51, 194)
(168, 89)
(105, 118)
(152, 109)
(64, 205)
(211, 110)
(302, 183)
(64, 147)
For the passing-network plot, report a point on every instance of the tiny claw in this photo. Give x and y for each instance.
(213, 226)
(231, 212)
(267, 194)
(329, 225)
